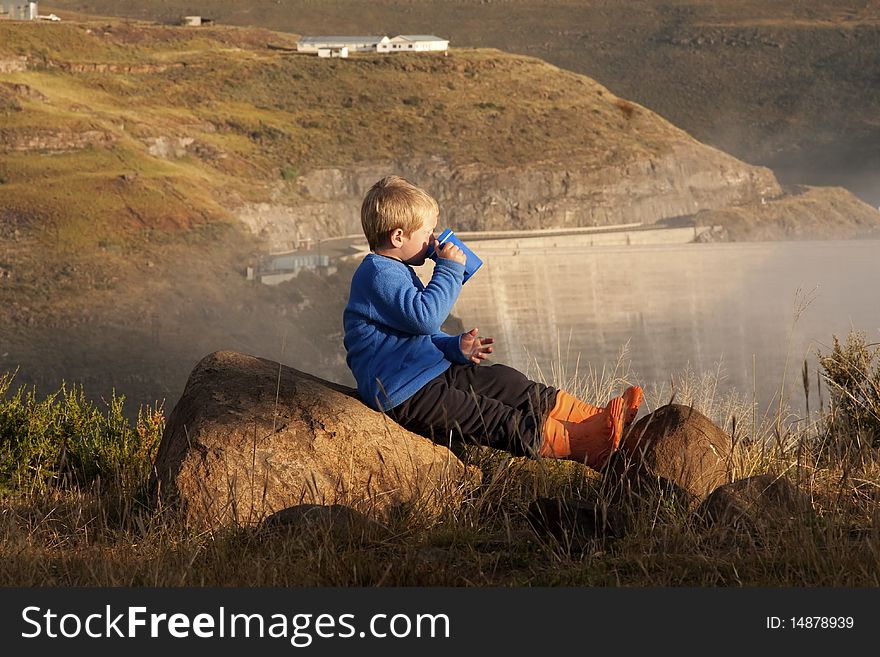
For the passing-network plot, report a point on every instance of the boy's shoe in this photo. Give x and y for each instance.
(595, 434)
(591, 441)
(571, 409)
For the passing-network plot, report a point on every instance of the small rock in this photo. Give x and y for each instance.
(341, 522)
(762, 502)
(568, 520)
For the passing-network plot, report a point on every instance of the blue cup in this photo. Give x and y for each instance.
(472, 264)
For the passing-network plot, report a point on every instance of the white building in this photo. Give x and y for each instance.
(400, 43)
(417, 43)
(351, 43)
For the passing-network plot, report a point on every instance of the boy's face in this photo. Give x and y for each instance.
(414, 248)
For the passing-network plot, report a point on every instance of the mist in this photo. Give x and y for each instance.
(147, 354)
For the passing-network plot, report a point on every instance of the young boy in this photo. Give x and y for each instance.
(432, 383)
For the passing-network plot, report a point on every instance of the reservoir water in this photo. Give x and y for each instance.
(739, 309)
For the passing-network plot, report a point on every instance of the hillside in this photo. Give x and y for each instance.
(780, 83)
(135, 157)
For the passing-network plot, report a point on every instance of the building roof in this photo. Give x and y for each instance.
(340, 39)
(419, 37)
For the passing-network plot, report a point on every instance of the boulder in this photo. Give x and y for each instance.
(764, 502)
(250, 437)
(679, 447)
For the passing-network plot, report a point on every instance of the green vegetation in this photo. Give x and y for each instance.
(73, 512)
(289, 173)
(852, 371)
(65, 442)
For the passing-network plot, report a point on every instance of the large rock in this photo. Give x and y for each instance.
(680, 447)
(250, 437)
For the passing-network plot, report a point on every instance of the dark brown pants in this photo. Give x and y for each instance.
(492, 405)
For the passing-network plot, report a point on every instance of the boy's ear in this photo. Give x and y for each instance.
(396, 237)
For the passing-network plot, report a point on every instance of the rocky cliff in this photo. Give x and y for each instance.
(688, 177)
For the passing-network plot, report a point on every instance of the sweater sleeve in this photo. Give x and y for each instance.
(403, 306)
(450, 345)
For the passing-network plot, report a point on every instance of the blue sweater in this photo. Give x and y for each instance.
(393, 340)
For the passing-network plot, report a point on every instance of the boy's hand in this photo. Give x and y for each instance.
(476, 349)
(452, 252)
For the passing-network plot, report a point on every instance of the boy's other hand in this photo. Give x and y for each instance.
(451, 252)
(474, 348)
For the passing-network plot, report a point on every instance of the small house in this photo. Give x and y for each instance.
(196, 21)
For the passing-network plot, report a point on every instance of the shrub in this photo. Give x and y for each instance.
(852, 373)
(65, 440)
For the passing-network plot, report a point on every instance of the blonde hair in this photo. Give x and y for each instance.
(394, 203)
